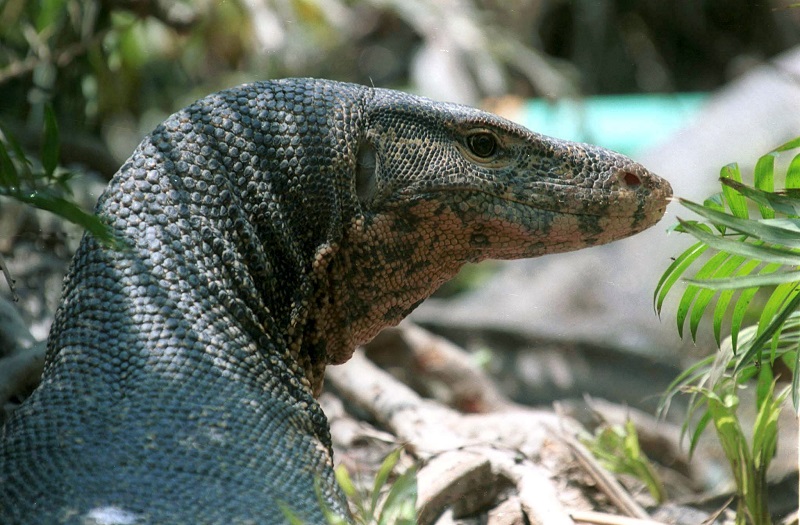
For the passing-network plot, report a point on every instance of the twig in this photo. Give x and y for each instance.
(459, 382)
(394, 405)
(712, 518)
(605, 482)
(600, 518)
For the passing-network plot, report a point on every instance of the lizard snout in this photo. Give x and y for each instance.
(634, 176)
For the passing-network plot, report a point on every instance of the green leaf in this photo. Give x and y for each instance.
(765, 180)
(765, 428)
(700, 304)
(685, 306)
(723, 301)
(731, 436)
(793, 173)
(674, 272)
(752, 250)
(332, 518)
(720, 264)
(715, 202)
(732, 265)
(789, 229)
(618, 449)
(782, 231)
(725, 297)
(792, 144)
(738, 282)
(383, 475)
(735, 200)
(48, 14)
(50, 143)
(688, 376)
(787, 202)
(742, 303)
(345, 481)
(753, 351)
(399, 507)
(23, 163)
(13, 173)
(777, 299)
(640, 463)
(698, 431)
(764, 385)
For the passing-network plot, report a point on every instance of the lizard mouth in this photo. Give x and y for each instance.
(622, 189)
(635, 198)
(543, 216)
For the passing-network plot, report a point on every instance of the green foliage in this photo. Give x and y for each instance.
(386, 504)
(750, 255)
(45, 187)
(617, 448)
(397, 506)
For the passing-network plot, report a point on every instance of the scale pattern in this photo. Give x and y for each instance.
(267, 230)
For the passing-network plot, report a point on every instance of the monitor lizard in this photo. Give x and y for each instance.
(266, 231)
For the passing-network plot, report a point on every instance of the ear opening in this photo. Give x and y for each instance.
(366, 172)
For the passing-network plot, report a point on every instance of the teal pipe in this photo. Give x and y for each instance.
(625, 123)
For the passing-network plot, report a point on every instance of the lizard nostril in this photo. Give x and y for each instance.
(630, 179)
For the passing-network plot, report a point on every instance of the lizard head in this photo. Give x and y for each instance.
(510, 192)
(439, 185)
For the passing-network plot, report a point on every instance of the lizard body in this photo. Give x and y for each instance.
(268, 230)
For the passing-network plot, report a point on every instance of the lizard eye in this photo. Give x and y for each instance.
(482, 144)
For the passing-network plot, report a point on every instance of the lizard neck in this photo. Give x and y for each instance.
(386, 265)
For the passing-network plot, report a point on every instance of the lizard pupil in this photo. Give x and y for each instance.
(483, 145)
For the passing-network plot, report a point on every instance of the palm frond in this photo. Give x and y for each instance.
(748, 242)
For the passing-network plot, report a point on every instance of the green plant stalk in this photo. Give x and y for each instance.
(750, 493)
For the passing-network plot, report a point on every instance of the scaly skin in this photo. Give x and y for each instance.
(270, 229)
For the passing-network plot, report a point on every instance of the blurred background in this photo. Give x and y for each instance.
(684, 86)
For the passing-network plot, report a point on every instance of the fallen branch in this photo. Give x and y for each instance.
(474, 453)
